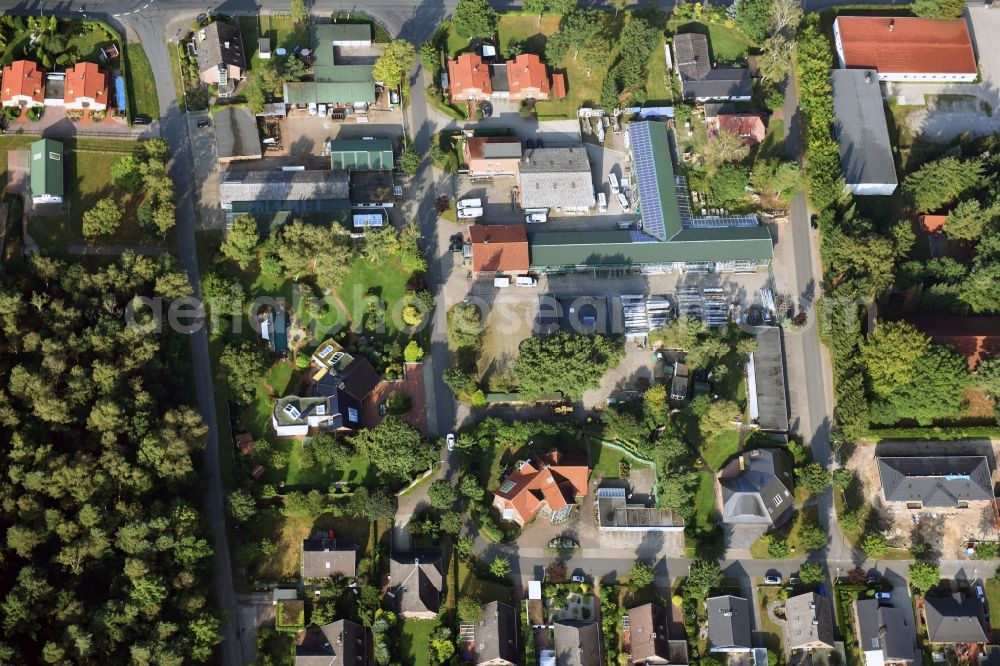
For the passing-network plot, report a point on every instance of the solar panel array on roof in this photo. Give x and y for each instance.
(645, 169)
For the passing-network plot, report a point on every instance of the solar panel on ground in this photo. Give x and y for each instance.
(649, 193)
(120, 92)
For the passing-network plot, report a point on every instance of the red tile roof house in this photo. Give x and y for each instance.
(550, 484)
(23, 85)
(86, 88)
(748, 126)
(524, 77)
(905, 48)
(527, 78)
(469, 78)
(498, 248)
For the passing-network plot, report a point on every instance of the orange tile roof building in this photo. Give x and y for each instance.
(86, 87)
(469, 78)
(747, 126)
(548, 484)
(23, 85)
(527, 77)
(933, 224)
(499, 248)
(906, 49)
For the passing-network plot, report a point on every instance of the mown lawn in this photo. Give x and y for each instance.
(607, 460)
(140, 85)
(286, 33)
(484, 591)
(658, 88)
(388, 279)
(527, 29)
(723, 446)
(704, 500)
(993, 599)
(415, 642)
(287, 533)
(789, 532)
(726, 45)
(248, 32)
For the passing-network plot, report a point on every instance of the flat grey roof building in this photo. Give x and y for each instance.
(808, 622)
(729, 624)
(577, 644)
(886, 632)
(757, 488)
(556, 178)
(236, 136)
(936, 481)
(767, 388)
(616, 514)
(861, 130)
(955, 619)
(293, 191)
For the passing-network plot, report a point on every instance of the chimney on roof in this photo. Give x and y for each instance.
(868, 77)
(226, 43)
(892, 24)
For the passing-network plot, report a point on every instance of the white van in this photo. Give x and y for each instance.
(525, 281)
(501, 282)
(469, 213)
(602, 202)
(470, 203)
(535, 218)
(614, 182)
(623, 201)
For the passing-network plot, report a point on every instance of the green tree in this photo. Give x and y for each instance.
(241, 505)
(678, 490)
(966, 220)
(470, 487)
(753, 17)
(470, 611)
(939, 9)
(299, 11)
(500, 567)
(242, 365)
(596, 53)
(395, 448)
(890, 354)
(474, 18)
(875, 545)
(465, 324)
(564, 362)
(843, 478)
(323, 251)
(410, 160)
(682, 333)
(242, 241)
(395, 63)
(777, 549)
(451, 522)
(811, 573)
(814, 477)
(728, 185)
(575, 28)
(923, 576)
(640, 577)
(777, 178)
(536, 7)
(413, 353)
(103, 219)
(938, 183)
(125, 173)
(723, 148)
(812, 537)
(442, 495)
(703, 576)
(562, 6)
(935, 390)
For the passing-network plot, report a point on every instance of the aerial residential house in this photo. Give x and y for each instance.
(729, 624)
(525, 77)
(862, 134)
(493, 155)
(498, 248)
(284, 191)
(808, 622)
(902, 48)
(47, 171)
(340, 643)
(496, 641)
(295, 416)
(748, 126)
(767, 402)
(372, 189)
(933, 224)
(328, 558)
(236, 136)
(885, 634)
(415, 584)
(577, 643)
(549, 484)
(345, 381)
(700, 81)
(341, 85)
(23, 85)
(615, 513)
(757, 488)
(973, 337)
(86, 88)
(469, 78)
(957, 618)
(919, 482)
(648, 637)
(671, 238)
(556, 178)
(220, 55)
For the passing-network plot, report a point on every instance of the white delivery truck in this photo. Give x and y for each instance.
(613, 179)
(501, 282)
(534, 218)
(623, 201)
(525, 281)
(469, 213)
(602, 202)
(470, 203)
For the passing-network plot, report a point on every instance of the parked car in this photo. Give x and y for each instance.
(141, 120)
(451, 441)
(772, 579)
(622, 201)
(455, 246)
(469, 213)
(312, 108)
(525, 281)
(613, 179)
(393, 97)
(577, 578)
(981, 594)
(469, 203)
(602, 203)
(884, 596)
(321, 110)
(534, 218)
(873, 578)
(204, 122)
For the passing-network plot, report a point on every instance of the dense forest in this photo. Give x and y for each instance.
(104, 554)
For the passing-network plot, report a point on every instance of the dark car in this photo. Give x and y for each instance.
(204, 122)
(456, 238)
(141, 120)
(455, 246)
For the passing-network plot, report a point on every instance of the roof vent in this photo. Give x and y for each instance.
(868, 77)
(892, 24)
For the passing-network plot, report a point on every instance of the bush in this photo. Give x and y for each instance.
(413, 352)
(398, 403)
